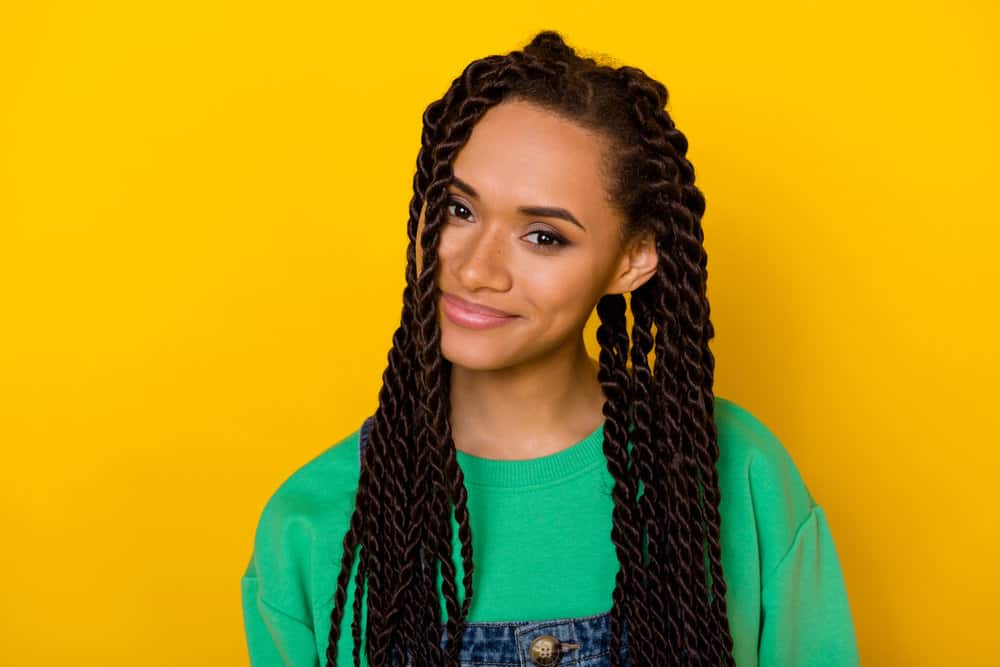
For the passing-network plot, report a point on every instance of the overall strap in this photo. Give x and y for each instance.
(366, 428)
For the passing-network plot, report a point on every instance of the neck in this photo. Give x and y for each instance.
(529, 410)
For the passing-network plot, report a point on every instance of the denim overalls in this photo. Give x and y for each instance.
(582, 641)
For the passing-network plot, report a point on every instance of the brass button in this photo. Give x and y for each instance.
(545, 651)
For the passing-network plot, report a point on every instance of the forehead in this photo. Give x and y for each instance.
(522, 154)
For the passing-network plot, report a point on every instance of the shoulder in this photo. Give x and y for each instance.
(749, 445)
(310, 507)
(759, 482)
(318, 485)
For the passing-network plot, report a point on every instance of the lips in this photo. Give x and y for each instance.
(474, 316)
(475, 307)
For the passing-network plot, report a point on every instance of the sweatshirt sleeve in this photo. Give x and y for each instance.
(805, 616)
(274, 638)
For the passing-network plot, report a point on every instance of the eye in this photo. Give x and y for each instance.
(456, 203)
(556, 240)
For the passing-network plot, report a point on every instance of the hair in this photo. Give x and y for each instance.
(669, 590)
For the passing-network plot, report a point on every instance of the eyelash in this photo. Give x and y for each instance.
(559, 240)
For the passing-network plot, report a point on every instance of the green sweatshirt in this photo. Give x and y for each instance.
(542, 549)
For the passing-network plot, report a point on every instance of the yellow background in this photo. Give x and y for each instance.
(202, 212)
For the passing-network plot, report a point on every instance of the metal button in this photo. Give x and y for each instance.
(545, 651)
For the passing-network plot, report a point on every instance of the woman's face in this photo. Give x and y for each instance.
(502, 249)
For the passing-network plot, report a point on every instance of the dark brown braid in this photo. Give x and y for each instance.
(670, 590)
(615, 382)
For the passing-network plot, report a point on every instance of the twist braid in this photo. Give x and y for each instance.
(647, 452)
(613, 375)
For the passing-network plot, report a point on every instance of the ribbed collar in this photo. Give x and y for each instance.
(541, 470)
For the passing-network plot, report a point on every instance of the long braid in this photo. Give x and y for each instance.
(649, 452)
(433, 397)
(677, 206)
(709, 475)
(383, 582)
(417, 582)
(612, 336)
(697, 417)
(683, 534)
(390, 424)
(420, 627)
(340, 595)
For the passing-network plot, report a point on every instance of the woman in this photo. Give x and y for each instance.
(513, 501)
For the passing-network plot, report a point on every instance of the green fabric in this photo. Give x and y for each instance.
(542, 549)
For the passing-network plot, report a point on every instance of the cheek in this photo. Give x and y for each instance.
(561, 293)
(448, 247)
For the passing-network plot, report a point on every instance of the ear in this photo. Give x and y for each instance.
(636, 265)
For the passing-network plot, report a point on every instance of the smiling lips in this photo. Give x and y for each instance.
(473, 316)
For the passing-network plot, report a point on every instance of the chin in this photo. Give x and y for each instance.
(482, 355)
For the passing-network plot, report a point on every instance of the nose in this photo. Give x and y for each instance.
(482, 261)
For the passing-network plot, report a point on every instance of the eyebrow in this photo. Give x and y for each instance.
(543, 211)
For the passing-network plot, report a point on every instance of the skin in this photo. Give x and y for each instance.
(529, 388)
